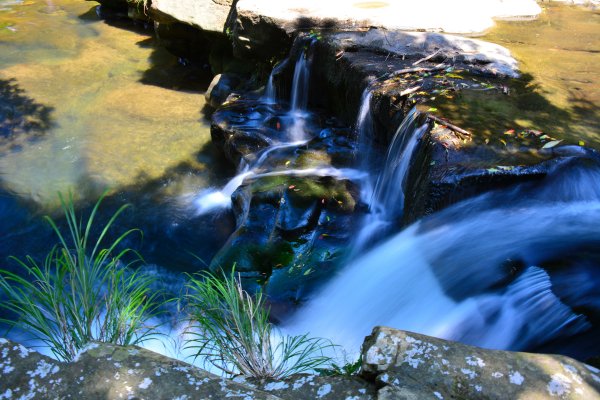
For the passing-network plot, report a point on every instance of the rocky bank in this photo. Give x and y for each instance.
(394, 365)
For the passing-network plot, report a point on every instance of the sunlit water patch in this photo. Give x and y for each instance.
(99, 125)
(559, 90)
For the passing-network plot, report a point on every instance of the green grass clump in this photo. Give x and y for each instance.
(84, 291)
(230, 329)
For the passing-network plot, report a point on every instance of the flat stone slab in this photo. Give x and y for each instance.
(207, 15)
(458, 16)
(493, 58)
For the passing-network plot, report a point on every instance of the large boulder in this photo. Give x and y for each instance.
(262, 23)
(207, 15)
(408, 365)
(106, 371)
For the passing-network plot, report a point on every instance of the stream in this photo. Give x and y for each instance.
(88, 104)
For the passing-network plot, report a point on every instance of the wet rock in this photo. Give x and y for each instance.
(295, 212)
(220, 88)
(448, 168)
(290, 234)
(399, 360)
(109, 371)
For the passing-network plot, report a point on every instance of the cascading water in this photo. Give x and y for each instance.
(300, 84)
(270, 95)
(448, 275)
(300, 92)
(295, 125)
(386, 196)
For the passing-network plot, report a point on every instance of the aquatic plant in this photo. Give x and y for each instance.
(84, 291)
(230, 329)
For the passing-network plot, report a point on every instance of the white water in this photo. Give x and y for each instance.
(385, 193)
(365, 131)
(212, 199)
(437, 276)
(300, 84)
(270, 95)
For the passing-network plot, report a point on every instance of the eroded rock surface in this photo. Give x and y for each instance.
(105, 371)
(409, 365)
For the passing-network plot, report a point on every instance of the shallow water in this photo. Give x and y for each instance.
(559, 91)
(87, 105)
(106, 121)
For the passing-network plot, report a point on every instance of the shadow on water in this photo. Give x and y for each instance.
(176, 73)
(173, 235)
(22, 119)
(491, 113)
(185, 71)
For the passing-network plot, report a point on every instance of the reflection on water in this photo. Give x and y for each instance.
(559, 91)
(86, 105)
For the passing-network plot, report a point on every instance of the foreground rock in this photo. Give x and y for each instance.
(414, 366)
(395, 365)
(107, 371)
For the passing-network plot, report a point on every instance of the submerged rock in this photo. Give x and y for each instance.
(414, 366)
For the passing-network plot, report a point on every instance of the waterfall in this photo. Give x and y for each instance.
(270, 95)
(388, 195)
(300, 91)
(385, 192)
(300, 83)
(365, 131)
(446, 275)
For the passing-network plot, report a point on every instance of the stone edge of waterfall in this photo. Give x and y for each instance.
(395, 363)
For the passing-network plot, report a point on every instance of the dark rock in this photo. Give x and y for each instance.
(220, 88)
(256, 36)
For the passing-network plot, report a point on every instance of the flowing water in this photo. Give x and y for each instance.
(86, 106)
(294, 127)
(474, 272)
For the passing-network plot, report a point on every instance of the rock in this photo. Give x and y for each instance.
(302, 386)
(489, 57)
(398, 360)
(446, 169)
(264, 23)
(207, 15)
(290, 227)
(220, 88)
(106, 371)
